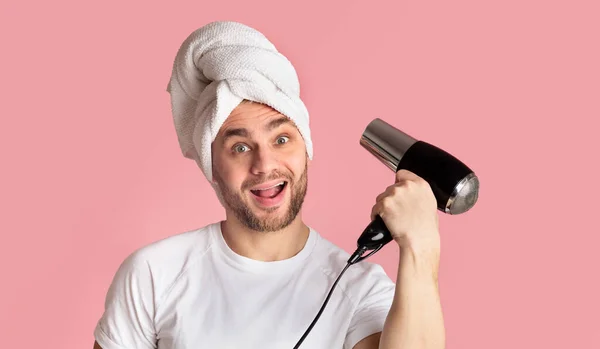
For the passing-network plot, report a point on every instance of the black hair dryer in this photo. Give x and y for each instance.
(454, 185)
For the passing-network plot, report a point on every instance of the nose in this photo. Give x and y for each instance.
(264, 161)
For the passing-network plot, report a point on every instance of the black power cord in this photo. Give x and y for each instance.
(356, 257)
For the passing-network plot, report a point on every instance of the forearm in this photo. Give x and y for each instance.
(415, 320)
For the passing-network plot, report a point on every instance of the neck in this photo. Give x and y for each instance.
(265, 246)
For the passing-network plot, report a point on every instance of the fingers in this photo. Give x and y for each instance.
(373, 212)
(406, 175)
(376, 210)
(402, 177)
(387, 192)
(385, 204)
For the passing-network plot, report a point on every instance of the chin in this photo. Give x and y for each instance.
(269, 219)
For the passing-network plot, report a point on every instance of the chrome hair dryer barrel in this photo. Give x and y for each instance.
(455, 186)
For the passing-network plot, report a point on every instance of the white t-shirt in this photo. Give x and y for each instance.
(191, 291)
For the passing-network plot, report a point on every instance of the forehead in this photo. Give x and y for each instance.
(252, 117)
(250, 112)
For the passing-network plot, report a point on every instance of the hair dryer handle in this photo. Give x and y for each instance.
(375, 235)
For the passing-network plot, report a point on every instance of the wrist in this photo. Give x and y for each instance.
(420, 260)
(420, 244)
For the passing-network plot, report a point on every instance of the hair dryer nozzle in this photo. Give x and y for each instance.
(386, 143)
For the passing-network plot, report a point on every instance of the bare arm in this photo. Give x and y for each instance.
(415, 319)
(409, 210)
(370, 342)
(97, 346)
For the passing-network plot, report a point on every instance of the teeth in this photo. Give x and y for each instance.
(281, 183)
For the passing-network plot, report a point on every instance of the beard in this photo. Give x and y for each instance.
(242, 211)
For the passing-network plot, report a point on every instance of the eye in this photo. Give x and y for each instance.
(240, 148)
(282, 139)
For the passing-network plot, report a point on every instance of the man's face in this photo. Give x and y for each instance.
(260, 166)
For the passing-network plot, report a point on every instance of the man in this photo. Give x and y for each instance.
(258, 278)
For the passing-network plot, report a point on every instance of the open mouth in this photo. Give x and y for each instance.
(270, 192)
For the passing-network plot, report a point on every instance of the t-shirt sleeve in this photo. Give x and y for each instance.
(127, 321)
(373, 306)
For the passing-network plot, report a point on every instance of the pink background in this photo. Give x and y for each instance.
(91, 169)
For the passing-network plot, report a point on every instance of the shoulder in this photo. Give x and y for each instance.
(141, 281)
(161, 263)
(173, 251)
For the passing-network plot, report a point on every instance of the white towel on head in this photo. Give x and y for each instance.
(218, 66)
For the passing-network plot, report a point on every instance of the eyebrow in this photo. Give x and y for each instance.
(278, 122)
(242, 132)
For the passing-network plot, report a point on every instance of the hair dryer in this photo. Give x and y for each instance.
(455, 186)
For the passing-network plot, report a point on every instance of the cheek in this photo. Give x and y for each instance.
(297, 163)
(225, 170)
(231, 179)
(233, 174)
